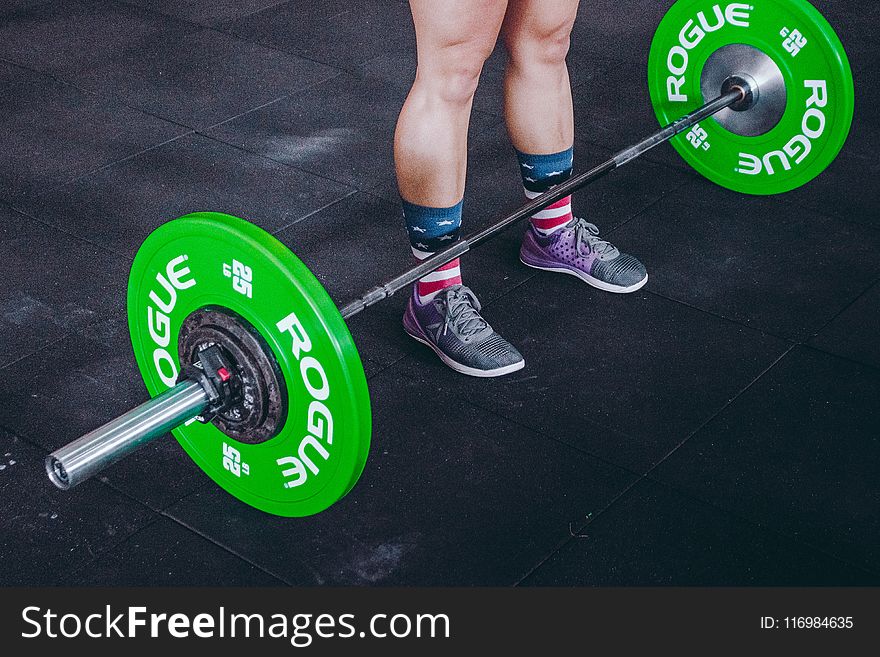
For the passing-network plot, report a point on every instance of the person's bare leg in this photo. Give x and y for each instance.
(537, 91)
(454, 38)
(539, 114)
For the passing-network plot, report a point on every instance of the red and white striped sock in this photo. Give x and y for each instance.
(431, 230)
(541, 173)
(553, 217)
(438, 280)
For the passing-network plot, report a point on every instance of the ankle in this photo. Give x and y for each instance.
(428, 287)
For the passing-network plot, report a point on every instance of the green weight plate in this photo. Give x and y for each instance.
(793, 133)
(209, 259)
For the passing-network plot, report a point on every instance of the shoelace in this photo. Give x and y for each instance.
(587, 237)
(462, 312)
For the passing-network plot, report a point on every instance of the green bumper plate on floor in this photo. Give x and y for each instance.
(210, 259)
(816, 106)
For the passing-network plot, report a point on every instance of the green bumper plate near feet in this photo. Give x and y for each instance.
(215, 260)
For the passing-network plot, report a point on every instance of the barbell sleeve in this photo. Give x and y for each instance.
(98, 449)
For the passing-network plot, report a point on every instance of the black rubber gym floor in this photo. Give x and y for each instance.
(719, 427)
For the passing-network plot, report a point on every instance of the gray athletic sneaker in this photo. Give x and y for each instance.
(452, 326)
(577, 249)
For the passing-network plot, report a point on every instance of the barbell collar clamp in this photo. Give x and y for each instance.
(213, 371)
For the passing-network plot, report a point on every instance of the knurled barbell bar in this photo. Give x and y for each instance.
(250, 362)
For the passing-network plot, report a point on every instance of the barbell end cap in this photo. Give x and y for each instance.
(57, 473)
(748, 89)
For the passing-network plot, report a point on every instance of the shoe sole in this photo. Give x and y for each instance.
(464, 369)
(589, 280)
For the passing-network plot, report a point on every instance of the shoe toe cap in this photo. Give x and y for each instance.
(624, 271)
(496, 352)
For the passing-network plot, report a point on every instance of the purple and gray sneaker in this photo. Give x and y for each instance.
(452, 326)
(578, 250)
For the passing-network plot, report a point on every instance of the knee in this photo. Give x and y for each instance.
(454, 75)
(545, 46)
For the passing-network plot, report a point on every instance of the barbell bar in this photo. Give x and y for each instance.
(188, 399)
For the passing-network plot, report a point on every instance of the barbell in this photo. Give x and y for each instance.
(250, 363)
